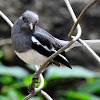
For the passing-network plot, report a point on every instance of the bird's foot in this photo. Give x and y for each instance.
(35, 79)
(31, 87)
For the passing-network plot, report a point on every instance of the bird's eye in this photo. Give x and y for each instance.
(36, 22)
(25, 19)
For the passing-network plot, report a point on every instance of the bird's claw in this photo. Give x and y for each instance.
(31, 88)
(35, 79)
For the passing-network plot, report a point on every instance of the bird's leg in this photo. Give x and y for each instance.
(31, 86)
(35, 78)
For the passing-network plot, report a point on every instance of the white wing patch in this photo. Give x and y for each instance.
(34, 40)
(63, 57)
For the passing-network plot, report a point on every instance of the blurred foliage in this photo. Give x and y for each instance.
(14, 80)
(63, 72)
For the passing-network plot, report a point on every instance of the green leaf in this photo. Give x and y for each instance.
(4, 97)
(14, 94)
(35, 98)
(6, 79)
(76, 95)
(17, 85)
(90, 87)
(64, 72)
(70, 95)
(61, 98)
(27, 80)
(15, 71)
(1, 54)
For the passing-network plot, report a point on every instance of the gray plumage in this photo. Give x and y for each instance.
(33, 44)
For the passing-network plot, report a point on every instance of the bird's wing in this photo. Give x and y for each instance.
(47, 45)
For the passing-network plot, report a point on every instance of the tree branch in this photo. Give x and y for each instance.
(80, 17)
(90, 50)
(5, 41)
(6, 19)
(36, 89)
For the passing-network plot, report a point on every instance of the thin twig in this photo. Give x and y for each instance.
(46, 95)
(5, 41)
(90, 50)
(77, 44)
(36, 89)
(41, 83)
(80, 17)
(39, 89)
(28, 96)
(6, 19)
(42, 92)
(88, 42)
(79, 31)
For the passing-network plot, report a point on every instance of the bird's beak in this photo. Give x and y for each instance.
(31, 26)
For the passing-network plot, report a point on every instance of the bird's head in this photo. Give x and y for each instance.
(29, 19)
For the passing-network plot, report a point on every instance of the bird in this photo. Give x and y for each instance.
(33, 44)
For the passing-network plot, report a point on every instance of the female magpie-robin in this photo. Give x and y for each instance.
(32, 44)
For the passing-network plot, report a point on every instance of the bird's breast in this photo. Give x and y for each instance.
(31, 57)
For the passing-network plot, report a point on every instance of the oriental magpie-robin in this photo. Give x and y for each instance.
(32, 44)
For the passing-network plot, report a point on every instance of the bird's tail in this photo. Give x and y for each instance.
(67, 64)
(62, 60)
(77, 44)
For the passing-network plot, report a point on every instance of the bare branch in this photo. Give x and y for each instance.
(41, 83)
(6, 19)
(5, 41)
(42, 92)
(28, 96)
(79, 31)
(39, 89)
(46, 95)
(80, 17)
(90, 50)
(77, 44)
(75, 25)
(36, 89)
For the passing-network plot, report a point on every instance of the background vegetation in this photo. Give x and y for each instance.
(80, 83)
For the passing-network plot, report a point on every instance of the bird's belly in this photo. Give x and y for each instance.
(32, 57)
